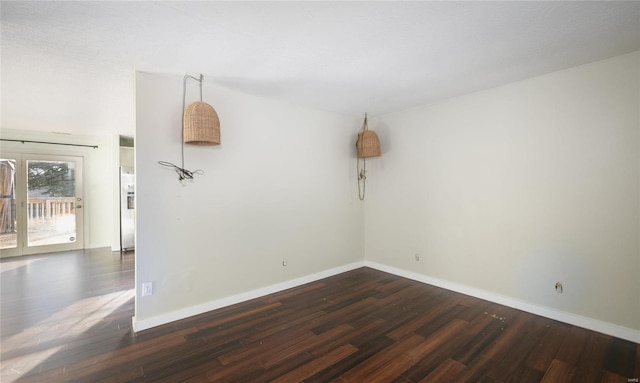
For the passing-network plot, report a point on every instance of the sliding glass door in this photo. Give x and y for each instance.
(8, 215)
(41, 208)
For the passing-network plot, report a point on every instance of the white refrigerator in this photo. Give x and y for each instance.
(127, 209)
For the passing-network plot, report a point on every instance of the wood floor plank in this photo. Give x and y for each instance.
(476, 370)
(261, 375)
(364, 371)
(363, 325)
(317, 365)
(431, 360)
(513, 329)
(267, 346)
(525, 374)
(372, 346)
(363, 307)
(610, 377)
(636, 374)
(269, 328)
(593, 358)
(251, 371)
(422, 320)
(621, 358)
(408, 292)
(512, 365)
(541, 357)
(413, 355)
(559, 371)
(440, 321)
(445, 372)
(573, 345)
(370, 327)
(123, 355)
(190, 361)
(303, 346)
(478, 343)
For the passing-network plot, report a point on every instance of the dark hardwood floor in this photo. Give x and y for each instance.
(67, 317)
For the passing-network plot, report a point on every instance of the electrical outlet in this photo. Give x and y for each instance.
(147, 288)
(417, 256)
(284, 262)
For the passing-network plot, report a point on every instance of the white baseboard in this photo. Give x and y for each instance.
(547, 312)
(147, 323)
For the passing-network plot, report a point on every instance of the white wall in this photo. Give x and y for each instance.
(98, 180)
(512, 189)
(281, 186)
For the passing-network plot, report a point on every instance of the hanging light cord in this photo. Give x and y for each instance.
(362, 177)
(362, 171)
(184, 174)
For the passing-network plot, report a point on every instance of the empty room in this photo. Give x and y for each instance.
(344, 191)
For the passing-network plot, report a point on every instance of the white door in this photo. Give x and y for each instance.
(41, 208)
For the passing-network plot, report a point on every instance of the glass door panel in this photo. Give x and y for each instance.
(8, 224)
(40, 204)
(51, 202)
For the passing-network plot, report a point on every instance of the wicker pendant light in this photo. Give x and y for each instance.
(368, 144)
(201, 124)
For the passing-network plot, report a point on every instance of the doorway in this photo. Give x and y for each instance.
(41, 204)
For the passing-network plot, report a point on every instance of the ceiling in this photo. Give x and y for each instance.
(69, 66)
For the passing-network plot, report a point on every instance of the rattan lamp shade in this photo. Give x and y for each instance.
(368, 144)
(201, 124)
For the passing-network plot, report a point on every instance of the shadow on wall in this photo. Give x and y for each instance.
(536, 276)
(384, 134)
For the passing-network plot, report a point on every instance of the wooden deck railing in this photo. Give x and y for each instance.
(48, 208)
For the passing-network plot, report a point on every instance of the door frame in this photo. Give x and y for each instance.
(22, 247)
